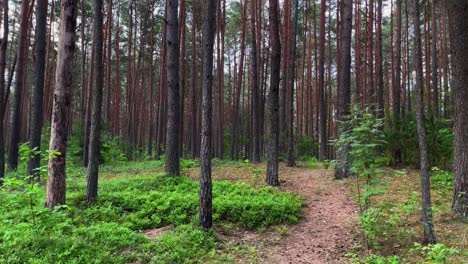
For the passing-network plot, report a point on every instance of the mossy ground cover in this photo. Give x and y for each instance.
(133, 197)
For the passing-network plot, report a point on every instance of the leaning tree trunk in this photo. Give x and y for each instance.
(427, 219)
(173, 93)
(343, 165)
(205, 213)
(15, 129)
(3, 49)
(63, 83)
(93, 157)
(273, 96)
(35, 126)
(458, 19)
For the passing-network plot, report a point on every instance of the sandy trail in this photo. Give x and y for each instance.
(326, 231)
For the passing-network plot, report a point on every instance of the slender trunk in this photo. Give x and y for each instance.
(370, 53)
(38, 88)
(182, 66)
(397, 86)
(255, 145)
(427, 220)
(87, 125)
(16, 123)
(321, 85)
(93, 164)
(108, 63)
(151, 88)
(193, 80)
(290, 91)
(3, 101)
(205, 213)
(379, 62)
(434, 64)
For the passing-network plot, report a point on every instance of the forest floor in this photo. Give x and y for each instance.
(327, 229)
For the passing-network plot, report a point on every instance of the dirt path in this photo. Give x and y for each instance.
(326, 230)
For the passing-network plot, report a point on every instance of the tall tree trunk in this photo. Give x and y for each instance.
(182, 66)
(56, 186)
(255, 145)
(87, 125)
(321, 84)
(151, 87)
(237, 93)
(193, 81)
(458, 19)
(21, 68)
(290, 90)
(427, 219)
(83, 64)
(93, 163)
(173, 93)
(205, 213)
(3, 101)
(38, 88)
(379, 62)
(108, 57)
(273, 96)
(434, 64)
(160, 125)
(116, 89)
(397, 86)
(344, 85)
(370, 54)
(286, 38)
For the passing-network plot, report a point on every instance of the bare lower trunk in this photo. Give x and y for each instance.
(3, 54)
(321, 85)
(273, 97)
(93, 163)
(458, 18)
(56, 187)
(35, 125)
(428, 225)
(343, 165)
(205, 213)
(16, 123)
(173, 93)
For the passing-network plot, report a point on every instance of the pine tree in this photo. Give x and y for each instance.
(56, 186)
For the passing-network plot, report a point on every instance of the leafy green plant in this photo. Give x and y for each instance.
(441, 179)
(436, 253)
(376, 259)
(366, 139)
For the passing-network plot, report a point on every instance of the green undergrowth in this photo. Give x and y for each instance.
(393, 223)
(111, 230)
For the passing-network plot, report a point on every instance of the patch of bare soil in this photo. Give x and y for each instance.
(155, 233)
(326, 231)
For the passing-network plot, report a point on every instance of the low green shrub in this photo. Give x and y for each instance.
(185, 244)
(108, 232)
